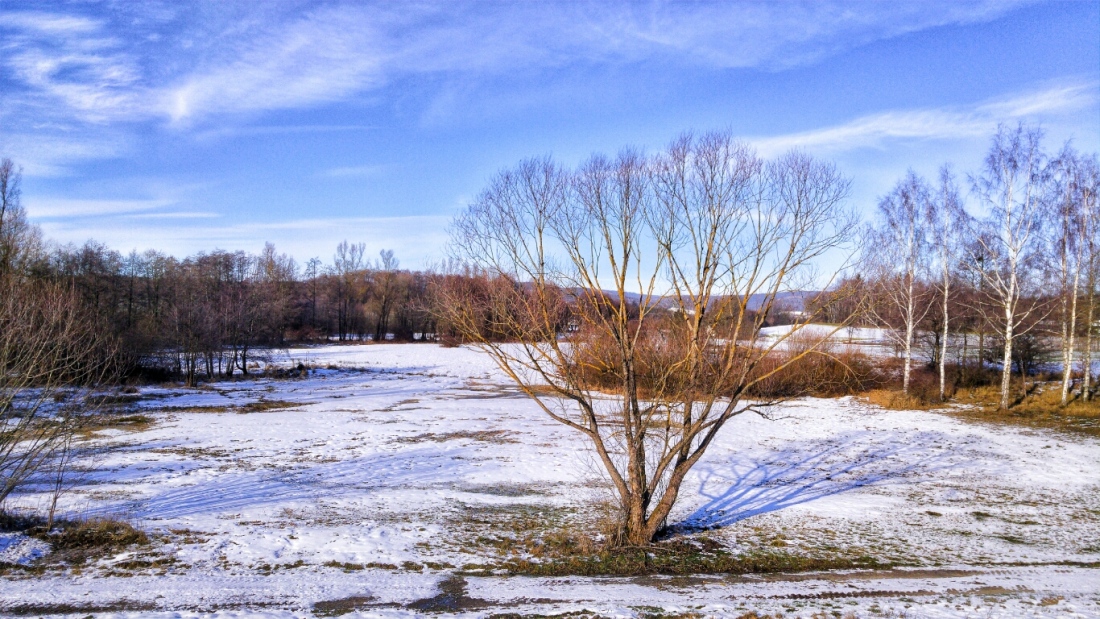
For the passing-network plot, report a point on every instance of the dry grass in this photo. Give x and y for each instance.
(683, 556)
(539, 540)
(896, 400)
(77, 541)
(111, 421)
(485, 436)
(979, 396)
(259, 406)
(1040, 408)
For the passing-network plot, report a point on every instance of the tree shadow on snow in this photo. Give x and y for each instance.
(805, 471)
(227, 492)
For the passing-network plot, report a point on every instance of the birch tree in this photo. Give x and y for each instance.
(944, 216)
(1010, 188)
(898, 255)
(1090, 206)
(1068, 239)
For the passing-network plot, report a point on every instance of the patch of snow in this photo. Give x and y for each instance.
(21, 549)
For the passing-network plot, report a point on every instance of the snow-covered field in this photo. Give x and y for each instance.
(366, 485)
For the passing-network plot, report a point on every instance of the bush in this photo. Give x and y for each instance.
(824, 372)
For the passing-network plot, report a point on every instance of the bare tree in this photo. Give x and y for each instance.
(20, 241)
(1090, 206)
(898, 255)
(1067, 210)
(52, 355)
(347, 264)
(945, 217)
(1011, 188)
(653, 367)
(384, 289)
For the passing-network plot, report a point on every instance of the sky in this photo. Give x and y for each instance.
(188, 126)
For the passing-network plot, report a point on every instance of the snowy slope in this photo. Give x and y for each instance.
(381, 453)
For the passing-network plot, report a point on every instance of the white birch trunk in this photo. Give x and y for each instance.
(1069, 332)
(943, 343)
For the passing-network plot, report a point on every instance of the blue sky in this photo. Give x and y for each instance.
(189, 126)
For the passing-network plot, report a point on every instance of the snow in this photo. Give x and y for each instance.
(20, 549)
(380, 453)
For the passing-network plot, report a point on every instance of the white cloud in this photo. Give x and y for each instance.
(177, 215)
(322, 57)
(233, 131)
(359, 171)
(48, 152)
(948, 123)
(1060, 98)
(51, 208)
(47, 22)
(274, 57)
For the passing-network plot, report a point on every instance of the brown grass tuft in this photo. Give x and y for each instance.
(77, 542)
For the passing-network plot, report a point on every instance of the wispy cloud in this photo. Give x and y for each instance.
(1067, 97)
(48, 151)
(47, 22)
(359, 171)
(72, 62)
(178, 215)
(49, 208)
(264, 130)
(322, 57)
(134, 67)
(947, 123)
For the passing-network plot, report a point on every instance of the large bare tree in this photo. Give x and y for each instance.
(618, 296)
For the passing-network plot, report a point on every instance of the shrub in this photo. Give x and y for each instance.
(825, 371)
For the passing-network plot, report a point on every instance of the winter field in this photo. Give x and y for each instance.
(397, 480)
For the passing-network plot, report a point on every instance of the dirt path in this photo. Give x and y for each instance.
(1041, 591)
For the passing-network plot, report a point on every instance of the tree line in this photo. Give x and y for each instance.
(996, 270)
(214, 314)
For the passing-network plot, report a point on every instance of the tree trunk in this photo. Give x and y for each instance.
(1006, 371)
(943, 344)
(1069, 332)
(908, 341)
(964, 361)
(1086, 385)
(981, 349)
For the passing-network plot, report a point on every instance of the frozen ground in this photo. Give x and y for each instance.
(364, 487)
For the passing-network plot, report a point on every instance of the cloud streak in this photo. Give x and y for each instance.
(105, 68)
(948, 123)
(191, 66)
(360, 171)
(53, 208)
